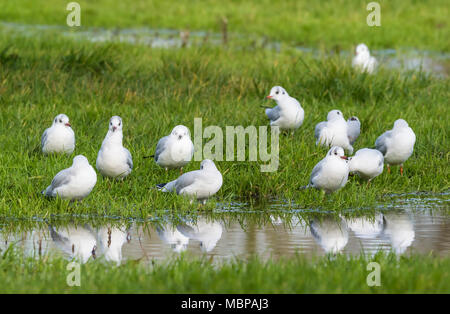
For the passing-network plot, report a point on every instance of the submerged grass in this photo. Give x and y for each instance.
(153, 90)
(339, 274)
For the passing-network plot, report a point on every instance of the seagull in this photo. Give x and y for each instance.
(170, 235)
(365, 227)
(110, 241)
(73, 183)
(114, 160)
(396, 145)
(200, 184)
(176, 149)
(330, 234)
(353, 129)
(363, 61)
(288, 114)
(367, 163)
(59, 138)
(400, 230)
(207, 233)
(331, 173)
(333, 132)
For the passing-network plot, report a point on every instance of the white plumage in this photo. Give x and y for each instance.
(333, 132)
(353, 129)
(59, 138)
(363, 61)
(288, 114)
(176, 149)
(75, 182)
(207, 233)
(114, 160)
(331, 235)
(366, 163)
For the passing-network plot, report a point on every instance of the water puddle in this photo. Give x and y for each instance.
(417, 226)
(407, 60)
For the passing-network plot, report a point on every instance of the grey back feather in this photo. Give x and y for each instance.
(274, 113)
(186, 180)
(319, 127)
(161, 146)
(380, 143)
(44, 138)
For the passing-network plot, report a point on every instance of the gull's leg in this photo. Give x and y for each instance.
(389, 168)
(368, 183)
(401, 169)
(181, 171)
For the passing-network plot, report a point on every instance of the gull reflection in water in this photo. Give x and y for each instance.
(330, 234)
(170, 235)
(207, 233)
(398, 227)
(75, 242)
(110, 241)
(366, 227)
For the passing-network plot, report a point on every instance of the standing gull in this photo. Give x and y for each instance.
(363, 61)
(353, 129)
(59, 138)
(73, 183)
(333, 132)
(331, 173)
(366, 163)
(396, 145)
(200, 184)
(176, 149)
(288, 114)
(114, 160)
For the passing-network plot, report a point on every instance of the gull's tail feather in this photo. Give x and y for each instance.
(166, 187)
(151, 156)
(161, 186)
(305, 187)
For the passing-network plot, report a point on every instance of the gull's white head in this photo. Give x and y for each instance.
(400, 123)
(115, 124)
(277, 93)
(337, 152)
(335, 114)
(181, 132)
(80, 160)
(353, 119)
(362, 49)
(62, 119)
(207, 164)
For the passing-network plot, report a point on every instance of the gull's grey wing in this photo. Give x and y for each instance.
(319, 127)
(380, 143)
(186, 180)
(161, 146)
(186, 230)
(129, 159)
(61, 178)
(316, 170)
(44, 137)
(273, 114)
(57, 238)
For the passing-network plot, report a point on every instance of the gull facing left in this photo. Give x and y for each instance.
(288, 114)
(367, 163)
(73, 183)
(114, 160)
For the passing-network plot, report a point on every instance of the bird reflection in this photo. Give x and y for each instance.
(330, 234)
(170, 235)
(110, 241)
(207, 233)
(399, 229)
(366, 227)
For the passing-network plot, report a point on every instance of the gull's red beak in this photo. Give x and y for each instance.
(114, 128)
(269, 97)
(344, 157)
(67, 124)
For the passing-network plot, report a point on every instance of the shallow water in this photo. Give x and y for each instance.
(413, 225)
(405, 60)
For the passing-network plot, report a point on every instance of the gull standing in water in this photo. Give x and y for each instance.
(114, 160)
(363, 61)
(367, 163)
(331, 173)
(396, 145)
(73, 183)
(353, 129)
(333, 132)
(59, 138)
(200, 184)
(175, 150)
(288, 114)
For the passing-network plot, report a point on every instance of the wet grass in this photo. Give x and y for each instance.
(339, 274)
(154, 90)
(331, 24)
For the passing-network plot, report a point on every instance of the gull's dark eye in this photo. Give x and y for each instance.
(277, 92)
(60, 121)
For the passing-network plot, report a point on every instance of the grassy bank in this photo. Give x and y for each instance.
(420, 274)
(326, 24)
(154, 90)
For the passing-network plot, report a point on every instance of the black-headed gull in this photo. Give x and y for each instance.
(331, 173)
(353, 129)
(110, 241)
(333, 132)
(73, 183)
(200, 184)
(330, 234)
(288, 114)
(363, 61)
(367, 163)
(366, 227)
(400, 230)
(176, 149)
(114, 160)
(207, 233)
(59, 138)
(397, 145)
(169, 234)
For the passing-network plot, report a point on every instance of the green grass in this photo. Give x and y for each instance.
(340, 274)
(154, 90)
(327, 24)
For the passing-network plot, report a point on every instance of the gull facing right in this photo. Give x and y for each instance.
(396, 145)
